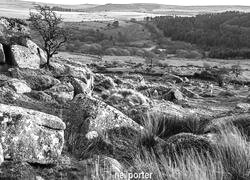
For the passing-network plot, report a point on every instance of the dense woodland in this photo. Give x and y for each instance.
(223, 35)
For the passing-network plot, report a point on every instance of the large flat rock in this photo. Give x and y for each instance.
(31, 136)
(23, 57)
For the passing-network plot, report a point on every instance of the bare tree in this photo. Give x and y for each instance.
(47, 23)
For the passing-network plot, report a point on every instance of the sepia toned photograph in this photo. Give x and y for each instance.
(124, 90)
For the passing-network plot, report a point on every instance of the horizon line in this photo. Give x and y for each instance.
(129, 3)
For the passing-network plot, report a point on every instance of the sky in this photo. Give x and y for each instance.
(169, 2)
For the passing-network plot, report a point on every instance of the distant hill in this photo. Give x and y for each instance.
(161, 8)
(136, 7)
(127, 7)
(20, 9)
(19, 4)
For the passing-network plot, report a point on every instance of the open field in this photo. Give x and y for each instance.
(80, 16)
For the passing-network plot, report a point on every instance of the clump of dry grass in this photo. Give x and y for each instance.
(230, 159)
(234, 152)
(189, 166)
(129, 95)
(164, 126)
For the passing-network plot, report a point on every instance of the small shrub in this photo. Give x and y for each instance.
(236, 69)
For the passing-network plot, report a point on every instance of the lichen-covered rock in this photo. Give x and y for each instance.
(87, 115)
(36, 79)
(67, 168)
(7, 94)
(184, 142)
(24, 58)
(100, 115)
(40, 96)
(169, 109)
(2, 55)
(82, 72)
(34, 48)
(66, 70)
(61, 92)
(29, 135)
(58, 69)
(19, 86)
(80, 86)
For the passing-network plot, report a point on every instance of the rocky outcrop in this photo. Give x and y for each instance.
(169, 109)
(19, 86)
(81, 78)
(81, 72)
(68, 168)
(88, 116)
(37, 79)
(18, 49)
(62, 92)
(31, 136)
(80, 86)
(40, 96)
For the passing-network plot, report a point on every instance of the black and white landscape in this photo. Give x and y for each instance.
(124, 91)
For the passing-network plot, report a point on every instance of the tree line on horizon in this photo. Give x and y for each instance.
(223, 35)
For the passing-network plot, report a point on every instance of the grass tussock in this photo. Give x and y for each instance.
(161, 151)
(230, 159)
(189, 166)
(234, 152)
(165, 126)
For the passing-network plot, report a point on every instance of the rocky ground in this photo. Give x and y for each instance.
(75, 121)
